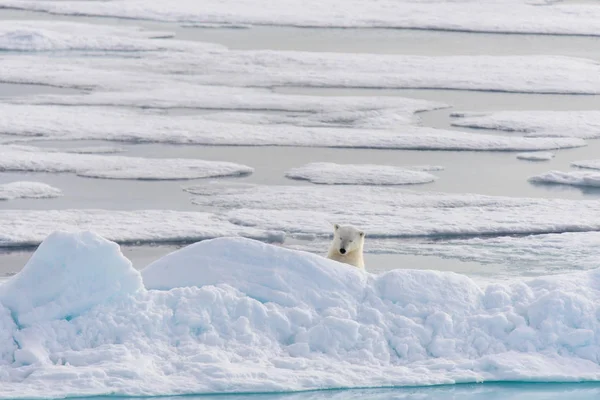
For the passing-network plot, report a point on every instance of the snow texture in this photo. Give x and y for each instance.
(235, 315)
(581, 124)
(27, 190)
(507, 16)
(63, 36)
(574, 178)
(200, 65)
(73, 123)
(385, 212)
(536, 156)
(359, 174)
(25, 158)
(21, 228)
(587, 164)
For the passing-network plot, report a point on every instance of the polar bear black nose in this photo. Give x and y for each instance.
(343, 251)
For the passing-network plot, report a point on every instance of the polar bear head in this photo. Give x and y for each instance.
(347, 239)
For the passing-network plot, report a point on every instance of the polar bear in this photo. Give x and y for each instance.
(347, 245)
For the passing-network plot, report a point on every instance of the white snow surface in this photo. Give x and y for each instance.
(236, 315)
(506, 16)
(61, 36)
(385, 212)
(581, 124)
(21, 228)
(73, 123)
(359, 174)
(574, 178)
(198, 64)
(536, 156)
(32, 159)
(27, 190)
(587, 164)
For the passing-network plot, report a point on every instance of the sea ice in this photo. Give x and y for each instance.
(27, 190)
(536, 156)
(515, 16)
(357, 174)
(25, 158)
(72, 123)
(235, 315)
(587, 164)
(29, 227)
(581, 124)
(574, 178)
(385, 212)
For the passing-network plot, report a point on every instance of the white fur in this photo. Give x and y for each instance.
(352, 241)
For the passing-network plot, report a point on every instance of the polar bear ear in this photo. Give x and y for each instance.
(361, 233)
(336, 227)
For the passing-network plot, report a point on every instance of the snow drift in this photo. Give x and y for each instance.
(236, 315)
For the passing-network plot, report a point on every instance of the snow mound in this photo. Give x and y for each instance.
(68, 274)
(365, 174)
(24, 158)
(27, 190)
(576, 178)
(234, 315)
(536, 156)
(580, 124)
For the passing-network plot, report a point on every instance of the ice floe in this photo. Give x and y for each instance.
(357, 174)
(62, 36)
(22, 228)
(202, 65)
(25, 158)
(536, 156)
(385, 212)
(588, 164)
(513, 16)
(27, 190)
(582, 124)
(72, 123)
(239, 316)
(574, 178)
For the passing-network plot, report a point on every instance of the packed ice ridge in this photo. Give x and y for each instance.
(360, 174)
(492, 16)
(27, 190)
(33, 159)
(236, 315)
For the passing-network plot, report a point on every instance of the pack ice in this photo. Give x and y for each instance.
(236, 315)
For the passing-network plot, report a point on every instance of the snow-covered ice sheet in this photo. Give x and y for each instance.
(359, 174)
(201, 64)
(574, 178)
(62, 36)
(512, 16)
(32, 159)
(27, 190)
(582, 124)
(21, 228)
(587, 164)
(235, 315)
(72, 123)
(536, 156)
(499, 257)
(384, 212)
